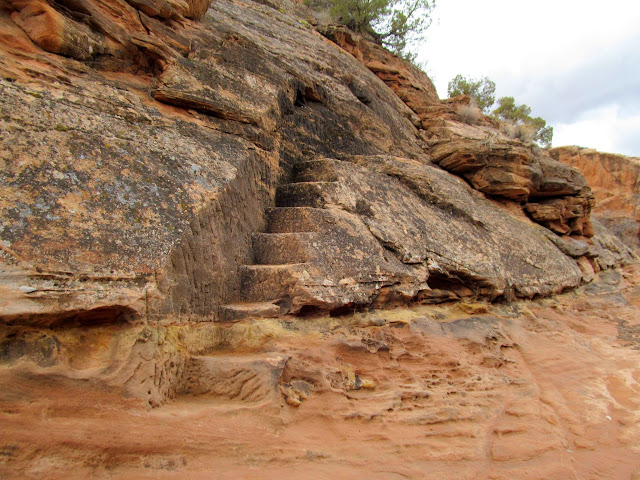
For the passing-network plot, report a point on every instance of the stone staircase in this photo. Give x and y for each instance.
(282, 254)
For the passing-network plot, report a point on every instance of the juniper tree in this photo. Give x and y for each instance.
(520, 115)
(395, 24)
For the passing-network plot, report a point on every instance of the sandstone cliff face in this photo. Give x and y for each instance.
(154, 145)
(615, 182)
(167, 213)
(195, 204)
(159, 168)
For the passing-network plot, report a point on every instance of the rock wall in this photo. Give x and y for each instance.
(615, 182)
(154, 145)
(480, 151)
(218, 210)
(163, 166)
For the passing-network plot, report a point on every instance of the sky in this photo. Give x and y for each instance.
(576, 63)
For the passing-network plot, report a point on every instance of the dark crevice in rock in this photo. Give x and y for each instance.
(439, 281)
(306, 93)
(310, 310)
(537, 197)
(99, 316)
(300, 98)
(346, 310)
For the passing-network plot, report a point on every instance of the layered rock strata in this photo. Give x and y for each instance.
(615, 182)
(156, 168)
(547, 389)
(480, 151)
(158, 205)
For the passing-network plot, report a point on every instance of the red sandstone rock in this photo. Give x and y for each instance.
(539, 390)
(491, 162)
(180, 199)
(147, 195)
(615, 181)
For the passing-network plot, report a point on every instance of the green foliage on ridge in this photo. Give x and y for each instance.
(482, 90)
(517, 117)
(520, 116)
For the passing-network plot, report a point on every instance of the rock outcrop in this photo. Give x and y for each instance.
(615, 182)
(209, 207)
(161, 143)
(546, 389)
(163, 166)
(491, 161)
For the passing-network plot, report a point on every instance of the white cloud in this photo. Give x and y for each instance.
(605, 129)
(569, 60)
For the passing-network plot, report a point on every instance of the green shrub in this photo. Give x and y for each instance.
(482, 90)
(517, 121)
(519, 116)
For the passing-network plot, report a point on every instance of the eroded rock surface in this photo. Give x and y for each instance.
(154, 146)
(157, 205)
(195, 203)
(161, 166)
(615, 181)
(546, 389)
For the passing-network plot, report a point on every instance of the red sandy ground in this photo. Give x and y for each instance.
(554, 394)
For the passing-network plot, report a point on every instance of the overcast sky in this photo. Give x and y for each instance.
(576, 63)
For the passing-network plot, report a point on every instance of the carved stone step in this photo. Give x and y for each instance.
(245, 378)
(281, 248)
(233, 312)
(307, 194)
(265, 283)
(296, 219)
(322, 170)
